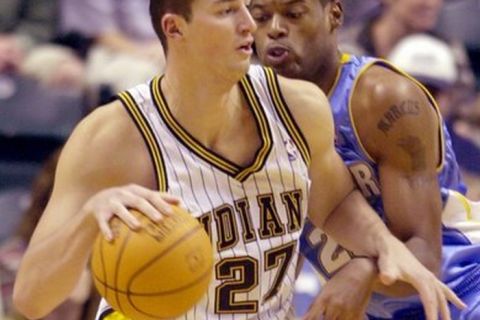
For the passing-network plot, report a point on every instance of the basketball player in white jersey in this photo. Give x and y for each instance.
(246, 152)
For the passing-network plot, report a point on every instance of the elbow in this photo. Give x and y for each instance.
(24, 303)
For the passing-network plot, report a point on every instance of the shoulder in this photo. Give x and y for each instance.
(310, 109)
(379, 87)
(104, 144)
(106, 125)
(388, 107)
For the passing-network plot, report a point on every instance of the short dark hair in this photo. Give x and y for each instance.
(158, 8)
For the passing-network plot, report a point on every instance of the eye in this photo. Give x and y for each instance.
(259, 16)
(294, 14)
(227, 11)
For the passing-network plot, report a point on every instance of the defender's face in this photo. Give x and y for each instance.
(220, 31)
(292, 35)
(418, 15)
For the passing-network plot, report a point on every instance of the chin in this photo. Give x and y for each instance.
(244, 66)
(288, 72)
(238, 71)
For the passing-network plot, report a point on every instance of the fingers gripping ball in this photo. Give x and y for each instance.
(158, 272)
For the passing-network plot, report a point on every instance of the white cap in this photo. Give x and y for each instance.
(426, 58)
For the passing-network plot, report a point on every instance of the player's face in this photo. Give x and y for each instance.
(220, 32)
(293, 36)
(418, 15)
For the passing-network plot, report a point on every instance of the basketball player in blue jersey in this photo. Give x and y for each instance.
(242, 148)
(390, 134)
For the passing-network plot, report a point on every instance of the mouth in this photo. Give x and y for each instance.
(247, 47)
(277, 55)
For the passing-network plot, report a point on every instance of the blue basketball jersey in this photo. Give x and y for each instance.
(363, 168)
(327, 257)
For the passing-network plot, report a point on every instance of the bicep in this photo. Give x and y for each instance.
(408, 161)
(402, 134)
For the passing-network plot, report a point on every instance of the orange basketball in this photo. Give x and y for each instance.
(160, 271)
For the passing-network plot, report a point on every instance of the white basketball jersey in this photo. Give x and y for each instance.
(254, 214)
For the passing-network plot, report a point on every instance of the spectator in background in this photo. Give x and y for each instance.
(396, 19)
(356, 10)
(432, 62)
(23, 24)
(126, 50)
(465, 128)
(26, 26)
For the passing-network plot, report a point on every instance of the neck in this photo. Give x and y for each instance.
(386, 32)
(200, 102)
(327, 73)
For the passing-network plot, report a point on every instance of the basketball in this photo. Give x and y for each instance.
(157, 272)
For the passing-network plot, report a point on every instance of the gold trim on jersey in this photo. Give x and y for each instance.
(209, 156)
(285, 115)
(344, 58)
(265, 133)
(465, 203)
(115, 315)
(432, 101)
(149, 137)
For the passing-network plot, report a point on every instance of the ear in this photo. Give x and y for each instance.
(335, 14)
(172, 26)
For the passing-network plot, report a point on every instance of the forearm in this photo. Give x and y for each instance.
(427, 255)
(356, 227)
(51, 268)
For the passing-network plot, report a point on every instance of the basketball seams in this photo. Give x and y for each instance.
(130, 295)
(104, 269)
(188, 286)
(127, 297)
(189, 234)
(117, 266)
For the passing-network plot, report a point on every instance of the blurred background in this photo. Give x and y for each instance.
(59, 59)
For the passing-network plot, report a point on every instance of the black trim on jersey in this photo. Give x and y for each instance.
(148, 136)
(286, 116)
(183, 136)
(105, 314)
(191, 143)
(263, 129)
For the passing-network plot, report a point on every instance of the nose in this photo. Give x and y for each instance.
(247, 24)
(277, 28)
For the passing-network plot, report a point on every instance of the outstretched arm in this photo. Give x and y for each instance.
(403, 135)
(344, 214)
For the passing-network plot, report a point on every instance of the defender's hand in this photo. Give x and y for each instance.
(345, 296)
(398, 264)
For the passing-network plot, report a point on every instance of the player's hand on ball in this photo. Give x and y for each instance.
(111, 202)
(399, 264)
(345, 296)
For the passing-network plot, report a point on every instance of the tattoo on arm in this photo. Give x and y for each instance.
(414, 147)
(396, 112)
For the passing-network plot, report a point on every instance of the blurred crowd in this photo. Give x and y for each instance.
(59, 58)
